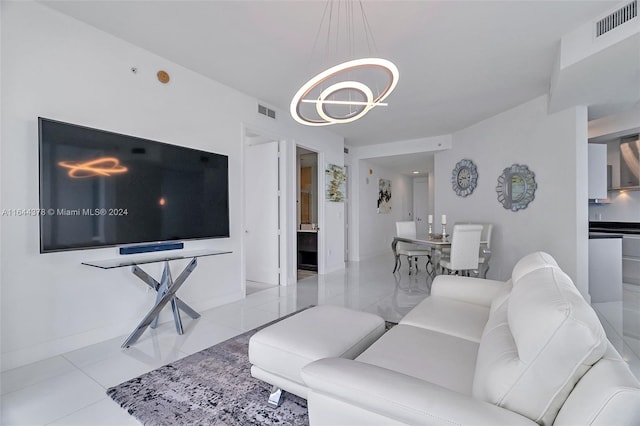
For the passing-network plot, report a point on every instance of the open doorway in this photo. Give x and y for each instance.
(307, 212)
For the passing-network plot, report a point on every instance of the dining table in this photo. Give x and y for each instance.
(435, 244)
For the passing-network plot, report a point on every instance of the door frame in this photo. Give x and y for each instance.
(320, 205)
(347, 206)
(252, 135)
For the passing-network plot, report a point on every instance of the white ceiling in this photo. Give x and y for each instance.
(460, 61)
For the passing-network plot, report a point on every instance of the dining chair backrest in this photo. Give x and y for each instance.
(487, 229)
(465, 247)
(406, 229)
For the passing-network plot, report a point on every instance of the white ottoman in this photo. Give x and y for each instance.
(278, 352)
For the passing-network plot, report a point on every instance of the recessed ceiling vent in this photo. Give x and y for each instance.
(617, 18)
(266, 111)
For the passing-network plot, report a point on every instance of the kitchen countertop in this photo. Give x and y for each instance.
(603, 235)
(615, 227)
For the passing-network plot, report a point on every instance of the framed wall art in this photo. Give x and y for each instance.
(384, 196)
(335, 183)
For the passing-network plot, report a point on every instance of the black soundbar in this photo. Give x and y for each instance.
(151, 247)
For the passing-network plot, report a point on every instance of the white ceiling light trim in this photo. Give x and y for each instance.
(326, 101)
(324, 115)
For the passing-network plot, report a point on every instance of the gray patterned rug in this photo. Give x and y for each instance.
(211, 387)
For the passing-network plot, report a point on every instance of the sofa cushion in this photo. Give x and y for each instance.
(532, 262)
(436, 357)
(479, 291)
(501, 296)
(607, 394)
(536, 346)
(449, 316)
(324, 331)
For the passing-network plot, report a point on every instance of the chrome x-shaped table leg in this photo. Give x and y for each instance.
(166, 289)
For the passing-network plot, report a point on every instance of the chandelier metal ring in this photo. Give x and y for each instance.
(353, 86)
(325, 118)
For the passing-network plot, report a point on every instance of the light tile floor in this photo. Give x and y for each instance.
(621, 322)
(254, 287)
(70, 389)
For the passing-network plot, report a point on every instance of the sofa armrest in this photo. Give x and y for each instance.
(467, 289)
(400, 397)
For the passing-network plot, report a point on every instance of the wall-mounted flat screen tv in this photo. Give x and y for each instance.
(99, 188)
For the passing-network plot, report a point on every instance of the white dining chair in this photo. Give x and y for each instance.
(407, 229)
(445, 251)
(485, 250)
(465, 250)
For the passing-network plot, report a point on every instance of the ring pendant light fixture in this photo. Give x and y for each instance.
(343, 93)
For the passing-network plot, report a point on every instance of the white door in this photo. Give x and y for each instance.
(421, 203)
(346, 215)
(261, 213)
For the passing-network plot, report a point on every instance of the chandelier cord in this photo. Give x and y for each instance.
(329, 9)
(369, 34)
(367, 31)
(315, 42)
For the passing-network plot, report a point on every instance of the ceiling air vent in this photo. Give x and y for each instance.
(266, 111)
(617, 18)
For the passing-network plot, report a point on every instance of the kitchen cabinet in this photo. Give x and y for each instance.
(308, 250)
(597, 171)
(605, 267)
(631, 259)
(630, 232)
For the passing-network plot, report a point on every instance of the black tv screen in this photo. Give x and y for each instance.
(99, 188)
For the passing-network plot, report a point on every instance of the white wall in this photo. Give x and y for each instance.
(56, 67)
(554, 147)
(376, 230)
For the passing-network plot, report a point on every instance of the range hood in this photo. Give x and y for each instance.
(630, 162)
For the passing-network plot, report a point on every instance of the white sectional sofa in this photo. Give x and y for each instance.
(481, 352)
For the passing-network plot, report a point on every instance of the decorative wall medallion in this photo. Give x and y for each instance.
(464, 177)
(516, 187)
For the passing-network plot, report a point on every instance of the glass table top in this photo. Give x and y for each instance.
(131, 260)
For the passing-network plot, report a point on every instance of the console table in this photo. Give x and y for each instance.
(166, 288)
